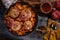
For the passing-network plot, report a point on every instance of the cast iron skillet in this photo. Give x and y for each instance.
(9, 34)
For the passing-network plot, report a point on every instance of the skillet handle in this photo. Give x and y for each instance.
(2, 26)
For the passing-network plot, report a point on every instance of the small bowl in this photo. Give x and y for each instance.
(46, 7)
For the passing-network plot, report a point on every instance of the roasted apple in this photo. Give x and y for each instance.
(13, 13)
(25, 14)
(27, 25)
(16, 26)
(9, 21)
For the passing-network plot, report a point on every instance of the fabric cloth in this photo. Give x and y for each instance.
(8, 3)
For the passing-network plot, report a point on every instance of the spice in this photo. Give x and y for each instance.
(46, 7)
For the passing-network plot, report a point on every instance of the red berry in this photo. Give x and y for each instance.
(56, 14)
(57, 4)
